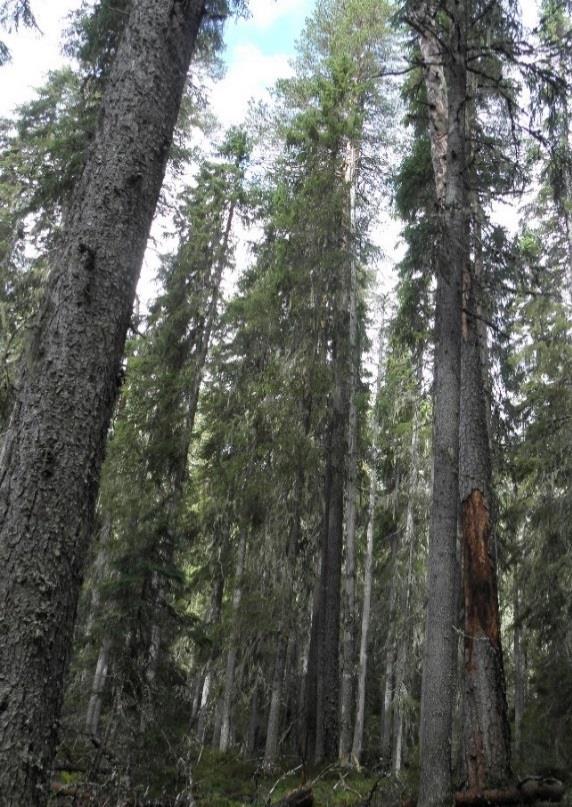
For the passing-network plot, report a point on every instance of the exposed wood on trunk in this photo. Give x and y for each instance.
(486, 736)
(53, 449)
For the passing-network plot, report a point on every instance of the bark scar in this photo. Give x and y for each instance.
(480, 587)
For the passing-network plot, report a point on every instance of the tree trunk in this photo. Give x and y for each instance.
(368, 571)
(402, 662)
(97, 689)
(390, 657)
(52, 452)
(329, 648)
(253, 721)
(519, 672)
(273, 729)
(486, 735)
(349, 612)
(438, 685)
(225, 729)
(214, 620)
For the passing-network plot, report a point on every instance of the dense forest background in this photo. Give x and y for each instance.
(323, 554)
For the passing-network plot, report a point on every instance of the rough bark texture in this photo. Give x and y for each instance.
(349, 612)
(519, 671)
(225, 728)
(52, 452)
(97, 689)
(390, 658)
(284, 639)
(486, 736)
(368, 571)
(329, 646)
(438, 685)
(403, 650)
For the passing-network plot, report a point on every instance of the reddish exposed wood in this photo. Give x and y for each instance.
(303, 797)
(480, 590)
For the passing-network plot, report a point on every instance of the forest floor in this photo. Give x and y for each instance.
(224, 780)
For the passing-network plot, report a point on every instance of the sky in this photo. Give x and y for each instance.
(258, 52)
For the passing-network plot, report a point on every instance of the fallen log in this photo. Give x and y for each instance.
(302, 797)
(528, 791)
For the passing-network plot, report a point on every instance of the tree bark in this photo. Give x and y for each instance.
(486, 734)
(225, 729)
(349, 611)
(97, 690)
(438, 685)
(52, 452)
(329, 648)
(519, 671)
(390, 658)
(402, 662)
(368, 571)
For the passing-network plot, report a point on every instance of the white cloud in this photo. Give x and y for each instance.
(33, 53)
(249, 75)
(266, 12)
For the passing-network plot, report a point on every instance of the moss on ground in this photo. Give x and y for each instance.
(225, 780)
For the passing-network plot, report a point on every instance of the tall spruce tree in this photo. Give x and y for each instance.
(52, 451)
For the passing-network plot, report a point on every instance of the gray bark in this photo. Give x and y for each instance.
(97, 690)
(368, 574)
(486, 734)
(438, 686)
(519, 672)
(226, 707)
(402, 661)
(52, 452)
(273, 728)
(284, 638)
(349, 620)
(214, 620)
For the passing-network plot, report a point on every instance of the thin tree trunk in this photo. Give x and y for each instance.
(53, 449)
(405, 641)
(284, 635)
(97, 690)
(214, 620)
(390, 658)
(225, 729)
(273, 728)
(519, 672)
(368, 571)
(438, 686)
(253, 721)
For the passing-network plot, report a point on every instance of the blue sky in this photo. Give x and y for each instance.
(257, 52)
(273, 28)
